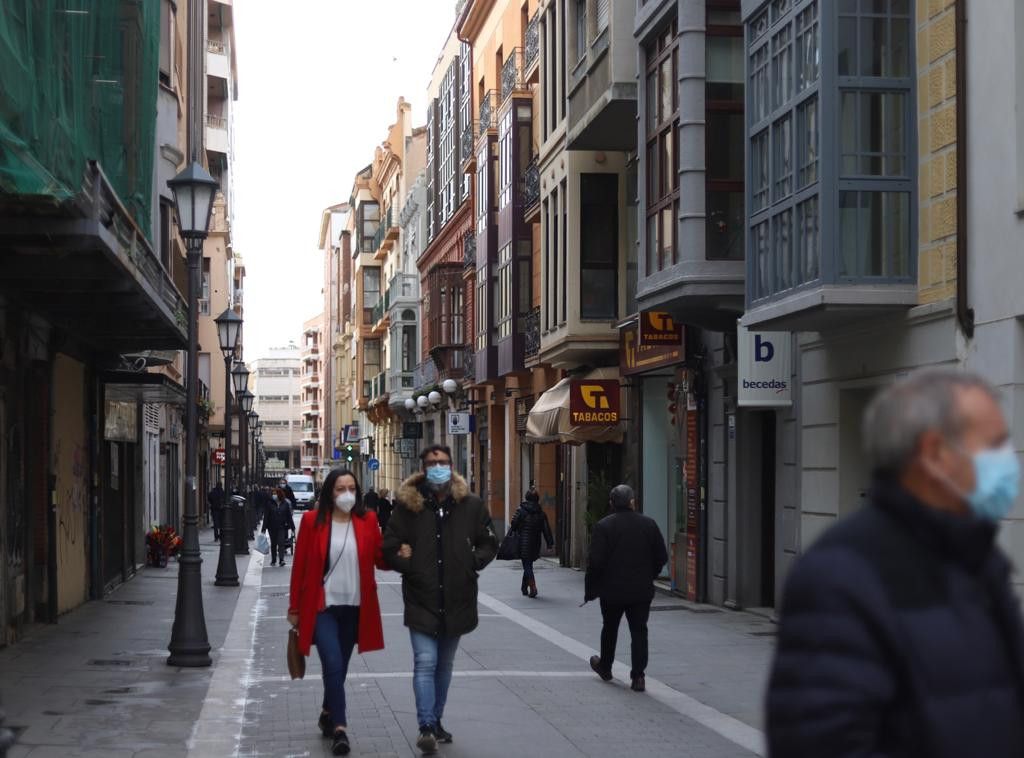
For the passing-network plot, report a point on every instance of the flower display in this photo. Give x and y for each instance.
(162, 542)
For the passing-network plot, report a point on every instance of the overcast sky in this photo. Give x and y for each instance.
(318, 85)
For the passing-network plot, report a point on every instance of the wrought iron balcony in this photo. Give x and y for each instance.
(400, 382)
(469, 361)
(531, 42)
(380, 310)
(469, 249)
(467, 142)
(531, 183)
(489, 112)
(425, 375)
(529, 327)
(512, 74)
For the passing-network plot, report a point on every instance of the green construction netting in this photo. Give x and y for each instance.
(78, 82)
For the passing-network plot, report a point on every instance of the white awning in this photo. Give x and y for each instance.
(549, 418)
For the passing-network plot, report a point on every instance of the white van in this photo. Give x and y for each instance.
(302, 486)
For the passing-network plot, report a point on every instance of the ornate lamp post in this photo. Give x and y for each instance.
(245, 401)
(229, 329)
(194, 191)
(240, 380)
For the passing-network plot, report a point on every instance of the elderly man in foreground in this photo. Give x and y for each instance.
(899, 632)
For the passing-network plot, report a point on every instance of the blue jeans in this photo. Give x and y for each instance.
(433, 658)
(337, 628)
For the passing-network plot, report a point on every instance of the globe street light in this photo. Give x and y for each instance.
(194, 191)
(422, 401)
(434, 397)
(410, 404)
(450, 386)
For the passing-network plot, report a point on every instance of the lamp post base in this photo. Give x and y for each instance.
(227, 570)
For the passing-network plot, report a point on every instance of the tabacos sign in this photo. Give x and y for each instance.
(765, 369)
(658, 328)
(594, 402)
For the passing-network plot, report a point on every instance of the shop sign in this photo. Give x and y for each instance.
(594, 402)
(459, 422)
(637, 359)
(765, 369)
(412, 430)
(351, 433)
(217, 456)
(274, 464)
(119, 422)
(659, 328)
(405, 447)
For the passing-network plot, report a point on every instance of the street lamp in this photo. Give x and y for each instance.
(434, 397)
(240, 380)
(229, 329)
(245, 401)
(410, 404)
(422, 401)
(194, 191)
(450, 386)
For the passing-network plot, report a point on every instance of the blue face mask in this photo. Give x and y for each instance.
(997, 483)
(439, 475)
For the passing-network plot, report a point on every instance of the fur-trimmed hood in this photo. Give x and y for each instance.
(409, 494)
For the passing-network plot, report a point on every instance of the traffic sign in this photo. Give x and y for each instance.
(373, 464)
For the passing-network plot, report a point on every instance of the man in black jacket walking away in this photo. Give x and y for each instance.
(531, 522)
(439, 537)
(899, 632)
(627, 552)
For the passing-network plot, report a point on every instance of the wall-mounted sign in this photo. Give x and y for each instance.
(405, 447)
(659, 328)
(765, 369)
(594, 402)
(119, 422)
(412, 430)
(217, 456)
(637, 359)
(460, 422)
(350, 433)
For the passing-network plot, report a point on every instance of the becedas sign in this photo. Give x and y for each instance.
(594, 402)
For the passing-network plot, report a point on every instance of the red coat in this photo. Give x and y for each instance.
(307, 591)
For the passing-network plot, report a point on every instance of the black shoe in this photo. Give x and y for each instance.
(427, 742)
(595, 664)
(325, 724)
(281, 564)
(638, 685)
(340, 746)
(444, 737)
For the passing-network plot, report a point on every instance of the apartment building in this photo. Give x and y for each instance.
(276, 380)
(334, 246)
(314, 445)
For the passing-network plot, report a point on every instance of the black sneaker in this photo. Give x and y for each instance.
(340, 746)
(281, 564)
(595, 664)
(325, 724)
(639, 684)
(443, 735)
(427, 742)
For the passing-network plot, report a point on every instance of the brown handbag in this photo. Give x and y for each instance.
(296, 660)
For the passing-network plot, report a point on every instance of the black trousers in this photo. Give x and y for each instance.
(278, 537)
(636, 616)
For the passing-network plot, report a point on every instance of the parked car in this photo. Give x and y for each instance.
(302, 486)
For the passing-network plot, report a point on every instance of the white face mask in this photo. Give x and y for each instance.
(346, 501)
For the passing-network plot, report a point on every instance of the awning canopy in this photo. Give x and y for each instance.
(129, 387)
(549, 419)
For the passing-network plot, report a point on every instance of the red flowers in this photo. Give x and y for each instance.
(161, 543)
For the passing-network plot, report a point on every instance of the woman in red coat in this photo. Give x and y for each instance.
(334, 593)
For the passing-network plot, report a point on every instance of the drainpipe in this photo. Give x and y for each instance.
(964, 312)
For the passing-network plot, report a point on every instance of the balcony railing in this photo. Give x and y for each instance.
(529, 326)
(469, 360)
(216, 122)
(489, 112)
(531, 183)
(402, 289)
(469, 249)
(467, 142)
(217, 46)
(378, 386)
(400, 382)
(531, 42)
(425, 375)
(381, 308)
(512, 78)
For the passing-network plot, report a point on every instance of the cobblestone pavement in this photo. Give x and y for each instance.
(522, 684)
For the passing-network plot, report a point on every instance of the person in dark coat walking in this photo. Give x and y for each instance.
(384, 508)
(531, 522)
(216, 501)
(627, 552)
(439, 537)
(278, 521)
(899, 632)
(372, 499)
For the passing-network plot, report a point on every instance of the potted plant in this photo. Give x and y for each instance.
(162, 542)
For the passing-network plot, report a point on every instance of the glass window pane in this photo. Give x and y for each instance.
(782, 251)
(899, 57)
(847, 46)
(874, 229)
(808, 48)
(725, 226)
(652, 101)
(759, 171)
(759, 84)
(872, 46)
(665, 85)
(782, 67)
(807, 131)
(724, 68)
(652, 244)
(667, 232)
(762, 260)
(809, 240)
(653, 170)
(848, 102)
(668, 162)
(725, 145)
(782, 157)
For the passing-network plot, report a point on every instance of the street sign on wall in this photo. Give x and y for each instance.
(594, 402)
(412, 430)
(460, 422)
(217, 456)
(765, 369)
(351, 433)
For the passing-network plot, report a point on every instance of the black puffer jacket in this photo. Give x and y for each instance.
(451, 541)
(899, 636)
(532, 522)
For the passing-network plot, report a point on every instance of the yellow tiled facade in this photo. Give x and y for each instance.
(937, 141)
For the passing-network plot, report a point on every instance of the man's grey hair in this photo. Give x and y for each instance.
(924, 401)
(621, 496)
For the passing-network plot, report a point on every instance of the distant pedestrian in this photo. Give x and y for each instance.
(288, 491)
(627, 552)
(384, 509)
(372, 500)
(531, 522)
(216, 501)
(278, 521)
(334, 592)
(439, 536)
(900, 633)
